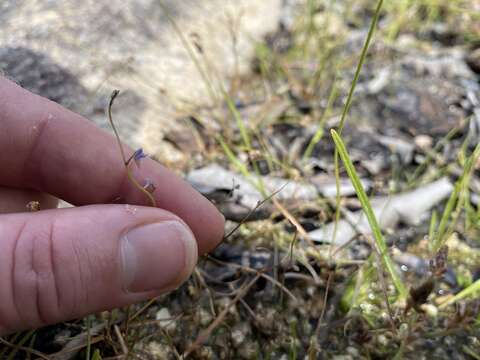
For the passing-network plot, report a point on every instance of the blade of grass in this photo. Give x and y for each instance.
(261, 188)
(245, 134)
(432, 227)
(363, 56)
(442, 227)
(238, 119)
(241, 167)
(472, 289)
(89, 339)
(430, 155)
(20, 343)
(367, 209)
(31, 344)
(232, 158)
(12, 339)
(455, 202)
(346, 108)
(475, 355)
(28, 350)
(320, 131)
(400, 18)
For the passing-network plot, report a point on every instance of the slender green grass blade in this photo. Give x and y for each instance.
(89, 339)
(20, 343)
(469, 291)
(320, 132)
(13, 339)
(31, 345)
(232, 158)
(431, 229)
(346, 108)
(367, 209)
(363, 56)
(241, 167)
(475, 355)
(238, 119)
(445, 226)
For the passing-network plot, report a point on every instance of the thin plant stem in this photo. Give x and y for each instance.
(122, 152)
(218, 320)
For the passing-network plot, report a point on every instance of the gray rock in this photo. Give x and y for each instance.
(38, 73)
(131, 46)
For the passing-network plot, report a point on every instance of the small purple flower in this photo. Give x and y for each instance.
(139, 155)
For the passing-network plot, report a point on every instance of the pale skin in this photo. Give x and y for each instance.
(62, 264)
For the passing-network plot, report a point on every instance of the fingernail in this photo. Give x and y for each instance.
(158, 256)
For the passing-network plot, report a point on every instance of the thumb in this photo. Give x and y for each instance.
(57, 265)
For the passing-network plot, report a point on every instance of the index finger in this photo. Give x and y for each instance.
(48, 148)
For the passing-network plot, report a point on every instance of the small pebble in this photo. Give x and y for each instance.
(353, 352)
(423, 142)
(430, 309)
(239, 333)
(382, 340)
(165, 319)
(205, 317)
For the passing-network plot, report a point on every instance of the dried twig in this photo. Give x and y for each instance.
(27, 350)
(121, 340)
(204, 335)
(261, 273)
(259, 204)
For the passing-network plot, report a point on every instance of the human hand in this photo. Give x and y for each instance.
(61, 264)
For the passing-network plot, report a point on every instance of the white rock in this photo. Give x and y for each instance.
(239, 334)
(165, 319)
